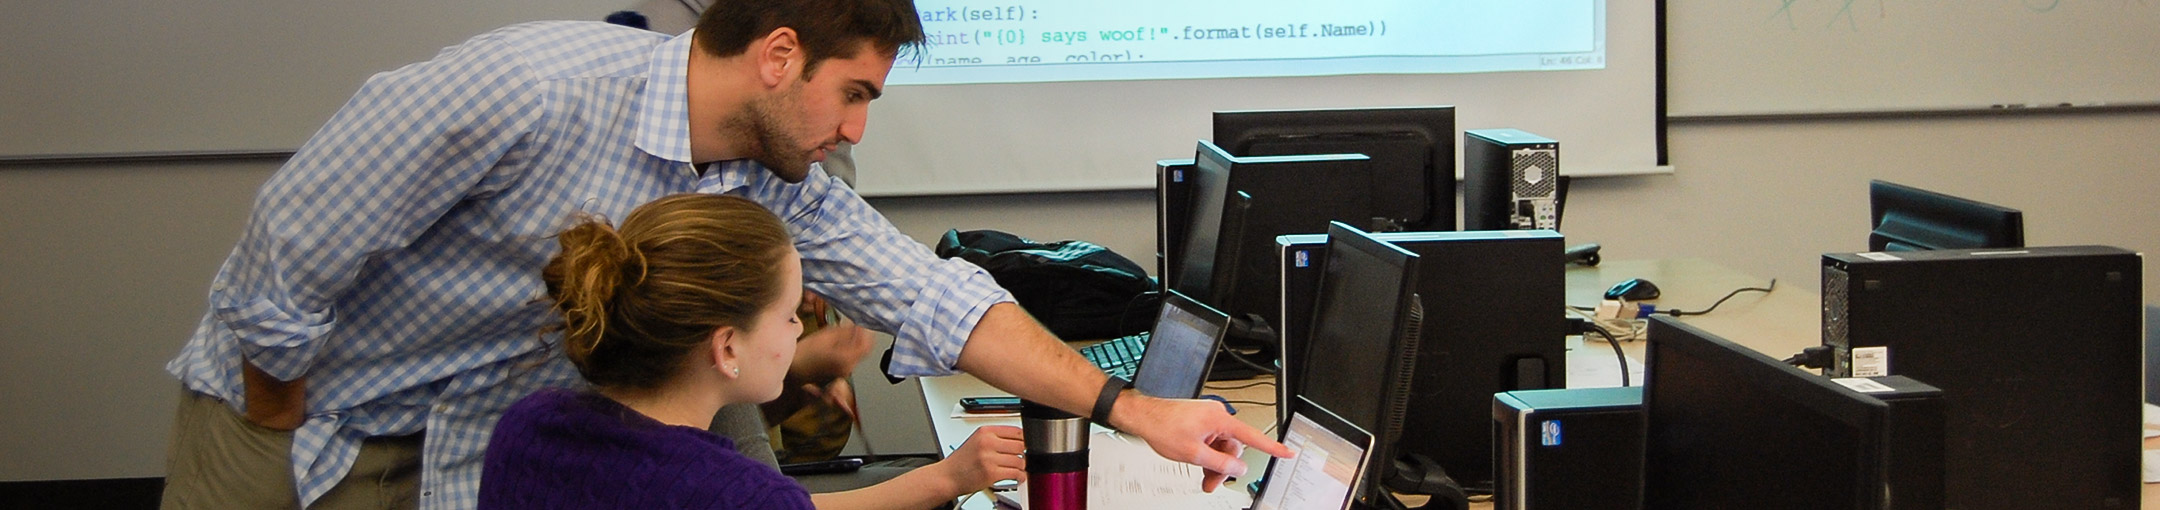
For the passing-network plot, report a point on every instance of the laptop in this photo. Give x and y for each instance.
(1181, 349)
(1121, 356)
(1332, 456)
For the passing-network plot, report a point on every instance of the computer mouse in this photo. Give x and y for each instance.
(1636, 289)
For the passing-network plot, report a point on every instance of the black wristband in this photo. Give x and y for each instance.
(1108, 399)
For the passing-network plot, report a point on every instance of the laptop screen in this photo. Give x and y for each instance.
(1181, 350)
(1330, 460)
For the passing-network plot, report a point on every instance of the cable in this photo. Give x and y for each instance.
(1240, 358)
(1248, 385)
(1617, 353)
(1126, 311)
(1625, 329)
(1720, 301)
(1250, 402)
(1816, 357)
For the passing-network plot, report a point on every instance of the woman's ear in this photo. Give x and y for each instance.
(722, 351)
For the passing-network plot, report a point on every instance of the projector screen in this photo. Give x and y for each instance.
(1062, 95)
(1142, 40)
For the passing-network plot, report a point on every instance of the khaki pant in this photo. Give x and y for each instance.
(219, 460)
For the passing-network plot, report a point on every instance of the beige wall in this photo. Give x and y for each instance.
(103, 268)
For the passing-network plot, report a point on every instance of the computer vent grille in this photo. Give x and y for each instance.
(1413, 334)
(1836, 305)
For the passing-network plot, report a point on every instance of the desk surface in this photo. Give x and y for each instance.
(1778, 323)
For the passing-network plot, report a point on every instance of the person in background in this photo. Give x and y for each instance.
(375, 318)
(689, 307)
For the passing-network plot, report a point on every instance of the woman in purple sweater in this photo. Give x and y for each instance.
(688, 307)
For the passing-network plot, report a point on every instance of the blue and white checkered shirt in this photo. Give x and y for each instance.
(395, 260)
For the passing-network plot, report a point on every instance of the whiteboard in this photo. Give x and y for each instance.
(102, 77)
(1753, 57)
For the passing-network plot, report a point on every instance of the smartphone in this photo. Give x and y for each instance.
(843, 465)
(987, 405)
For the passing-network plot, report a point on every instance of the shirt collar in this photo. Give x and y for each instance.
(663, 118)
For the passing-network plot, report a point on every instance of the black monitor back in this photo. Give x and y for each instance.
(1906, 218)
(1733, 428)
(1502, 298)
(1412, 149)
(2037, 352)
(1289, 195)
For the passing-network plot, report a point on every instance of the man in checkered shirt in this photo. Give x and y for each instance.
(384, 304)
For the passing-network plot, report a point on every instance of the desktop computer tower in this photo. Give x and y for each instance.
(1574, 449)
(1511, 180)
(2037, 353)
(1173, 214)
(1494, 322)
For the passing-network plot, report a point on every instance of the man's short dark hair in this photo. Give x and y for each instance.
(826, 28)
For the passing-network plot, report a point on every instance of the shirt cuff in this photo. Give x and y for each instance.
(278, 342)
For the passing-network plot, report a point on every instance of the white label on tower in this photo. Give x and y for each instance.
(1863, 385)
(1870, 361)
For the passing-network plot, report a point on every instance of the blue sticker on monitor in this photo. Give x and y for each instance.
(1302, 259)
(1549, 433)
(1177, 176)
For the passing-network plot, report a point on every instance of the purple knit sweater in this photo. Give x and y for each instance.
(564, 449)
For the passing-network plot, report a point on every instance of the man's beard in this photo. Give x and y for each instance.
(768, 123)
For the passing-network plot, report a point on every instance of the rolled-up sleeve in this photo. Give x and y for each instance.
(408, 147)
(876, 275)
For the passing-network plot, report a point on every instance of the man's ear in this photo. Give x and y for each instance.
(780, 57)
(722, 353)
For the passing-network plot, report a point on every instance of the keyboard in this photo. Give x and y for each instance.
(1118, 356)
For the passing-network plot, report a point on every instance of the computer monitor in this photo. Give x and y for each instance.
(1181, 350)
(1906, 218)
(1733, 428)
(1288, 195)
(1412, 150)
(1365, 342)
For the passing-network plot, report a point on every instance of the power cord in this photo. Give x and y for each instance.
(1713, 306)
(1622, 308)
(1239, 357)
(1579, 326)
(1626, 328)
(1817, 357)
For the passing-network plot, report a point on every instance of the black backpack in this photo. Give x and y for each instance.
(1079, 290)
